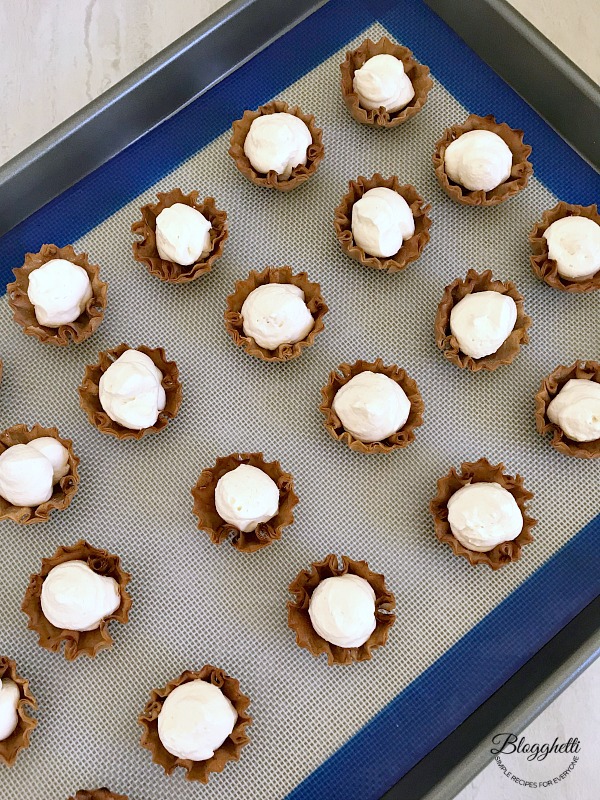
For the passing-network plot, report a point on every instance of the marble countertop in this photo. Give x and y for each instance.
(60, 54)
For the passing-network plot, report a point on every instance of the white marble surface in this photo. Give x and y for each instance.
(575, 713)
(57, 55)
(573, 25)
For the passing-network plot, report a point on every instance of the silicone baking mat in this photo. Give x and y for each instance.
(461, 632)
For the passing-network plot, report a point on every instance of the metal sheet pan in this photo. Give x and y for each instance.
(190, 67)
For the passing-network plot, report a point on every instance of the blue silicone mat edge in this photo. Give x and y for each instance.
(436, 702)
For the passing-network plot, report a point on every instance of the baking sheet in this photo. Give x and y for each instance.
(196, 603)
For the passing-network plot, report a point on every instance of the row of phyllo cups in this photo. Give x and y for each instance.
(379, 222)
(372, 407)
(58, 296)
(252, 500)
(480, 324)
(340, 607)
(197, 721)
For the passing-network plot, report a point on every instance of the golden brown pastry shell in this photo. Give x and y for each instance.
(146, 251)
(417, 73)
(299, 174)
(231, 748)
(219, 530)
(19, 738)
(98, 794)
(550, 387)
(63, 491)
(543, 266)
(453, 294)
(89, 392)
(305, 584)
(234, 322)
(77, 643)
(23, 311)
(477, 472)
(401, 438)
(411, 249)
(521, 171)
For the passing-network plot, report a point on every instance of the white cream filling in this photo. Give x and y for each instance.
(9, 700)
(195, 720)
(28, 472)
(482, 515)
(371, 406)
(342, 610)
(182, 234)
(482, 322)
(277, 142)
(56, 454)
(246, 496)
(576, 410)
(59, 291)
(574, 243)
(381, 81)
(478, 160)
(381, 221)
(131, 391)
(276, 314)
(75, 598)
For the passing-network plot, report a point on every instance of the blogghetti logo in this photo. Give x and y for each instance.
(535, 765)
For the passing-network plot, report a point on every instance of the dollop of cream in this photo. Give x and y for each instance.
(195, 720)
(478, 160)
(59, 291)
(342, 610)
(482, 322)
(56, 454)
(9, 700)
(381, 81)
(574, 243)
(482, 515)
(576, 410)
(75, 598)
(131, 391)
(371, 406)
(182, 234)
(28, 472)
(246, 496)
(381, 221)
(277, 142)
(276, 314)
